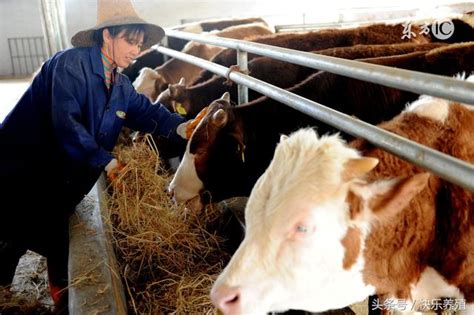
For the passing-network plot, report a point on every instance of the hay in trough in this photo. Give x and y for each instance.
(13, 304)
(168, 255)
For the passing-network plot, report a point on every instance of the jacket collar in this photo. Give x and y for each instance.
(98, 66)
(96, 61)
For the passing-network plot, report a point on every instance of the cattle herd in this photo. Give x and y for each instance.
(330, 219)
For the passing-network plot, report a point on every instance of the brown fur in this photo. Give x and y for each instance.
(174, 69)
(196, 97)
(351, 244)
(207, 26)
(245, 31)
(223, 173)
(437, 228)
(317, 40)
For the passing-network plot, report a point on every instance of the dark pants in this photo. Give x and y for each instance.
(50, 240)
(34, 215)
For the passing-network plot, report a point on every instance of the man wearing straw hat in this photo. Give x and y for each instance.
(58, 138)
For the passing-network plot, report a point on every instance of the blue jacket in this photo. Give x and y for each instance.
(65, 125)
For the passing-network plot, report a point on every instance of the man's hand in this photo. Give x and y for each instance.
(113, 169)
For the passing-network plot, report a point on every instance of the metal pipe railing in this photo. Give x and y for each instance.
(443, 165)
(242, 62)
(416, 82)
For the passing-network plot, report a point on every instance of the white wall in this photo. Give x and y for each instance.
(22, 17)
(18, 18)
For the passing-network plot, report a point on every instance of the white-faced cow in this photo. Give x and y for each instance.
(330, 223)
(151, 82)
(225, 157)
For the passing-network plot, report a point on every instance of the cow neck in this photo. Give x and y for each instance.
(172, 66)
(204, 93)
(384, 264)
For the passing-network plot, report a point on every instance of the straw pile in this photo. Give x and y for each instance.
(169, 256)
(11, 304)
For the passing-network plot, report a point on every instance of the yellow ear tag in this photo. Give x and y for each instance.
(180, 109)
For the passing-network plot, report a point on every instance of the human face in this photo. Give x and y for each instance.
(121, 48)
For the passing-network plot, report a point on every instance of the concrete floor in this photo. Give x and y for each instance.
(11, 91)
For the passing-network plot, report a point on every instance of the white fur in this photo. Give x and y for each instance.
(186, 184)
(432, 284)
(431, 107)
(274, 273)
(145, 82)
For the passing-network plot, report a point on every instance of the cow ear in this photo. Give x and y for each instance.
(173, 90)
(182, 81)
(181, 130)
(392, 196)
(219, 118)
(226, 97)
(354, 168)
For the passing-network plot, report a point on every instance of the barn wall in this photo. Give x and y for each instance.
(22, 17)
(18, 18)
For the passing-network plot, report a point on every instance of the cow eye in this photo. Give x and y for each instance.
(302, 229)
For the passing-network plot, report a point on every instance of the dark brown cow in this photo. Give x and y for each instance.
(317, 40)
(152, 82)
(225, 160)
(462, 32)
(330, 223)
(189, 101)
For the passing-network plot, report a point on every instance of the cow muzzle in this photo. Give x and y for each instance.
(226, 299)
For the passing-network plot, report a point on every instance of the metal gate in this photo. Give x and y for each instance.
(27, 54)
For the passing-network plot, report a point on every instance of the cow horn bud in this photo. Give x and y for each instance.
(219, 118)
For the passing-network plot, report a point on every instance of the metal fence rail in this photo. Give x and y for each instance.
(443, 165)
(417, 82)
(27, 54)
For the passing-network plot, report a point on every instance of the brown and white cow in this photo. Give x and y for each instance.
(323, 39)
(225, 161)
(330, 223)
(151, 82)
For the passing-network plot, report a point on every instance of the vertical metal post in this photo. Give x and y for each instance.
(10, 48)
(37, 55)
(243, 91)
(32, 60)
(25, 55)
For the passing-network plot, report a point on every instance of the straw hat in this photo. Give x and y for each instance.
(113, 13)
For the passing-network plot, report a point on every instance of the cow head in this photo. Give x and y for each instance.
(145, 83)
(307, 219)
(175, 98)
(214, 151)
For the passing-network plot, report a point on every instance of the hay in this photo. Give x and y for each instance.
(168, 255)
(12, 304)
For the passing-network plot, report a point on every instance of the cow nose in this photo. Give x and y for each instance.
(171, 193)
(227, 299)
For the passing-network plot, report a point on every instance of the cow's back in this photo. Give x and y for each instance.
(439, 222)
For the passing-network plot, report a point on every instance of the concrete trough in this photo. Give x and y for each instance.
(95, 283)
